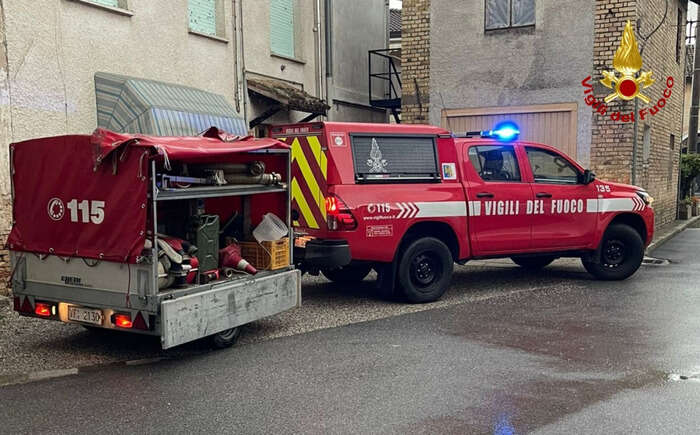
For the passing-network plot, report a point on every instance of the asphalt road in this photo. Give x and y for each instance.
(593, 357)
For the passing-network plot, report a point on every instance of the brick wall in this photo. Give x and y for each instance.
(415, 61)
(659, 56)
(612, 141)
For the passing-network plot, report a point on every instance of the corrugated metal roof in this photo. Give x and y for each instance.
(132, 105)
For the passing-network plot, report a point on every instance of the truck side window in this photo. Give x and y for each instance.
(550, 167)
(495, 163)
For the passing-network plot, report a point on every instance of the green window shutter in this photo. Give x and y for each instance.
(282, 27)
(112, 3)
(202, 16)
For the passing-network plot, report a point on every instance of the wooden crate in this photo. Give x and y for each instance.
(266, 255)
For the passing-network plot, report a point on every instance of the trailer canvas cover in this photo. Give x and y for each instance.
(86, 196)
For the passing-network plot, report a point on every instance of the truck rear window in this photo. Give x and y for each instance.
(394, 158)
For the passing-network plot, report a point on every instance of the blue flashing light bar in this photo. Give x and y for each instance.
(505, 131)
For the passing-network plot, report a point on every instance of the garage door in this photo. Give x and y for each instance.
(551, 124)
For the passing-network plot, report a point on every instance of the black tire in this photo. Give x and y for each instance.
(533, 263)
(621, 254)
(425, 270)
(348, 274)
(225, 338)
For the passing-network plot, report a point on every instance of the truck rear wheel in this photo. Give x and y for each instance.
(425, 270)
(225, 338)
(533, 263)
(621, 254)
(347, 274)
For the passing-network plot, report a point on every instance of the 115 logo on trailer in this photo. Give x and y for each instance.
(84, 211)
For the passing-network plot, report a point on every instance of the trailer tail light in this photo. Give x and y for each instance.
(122, 320)
(339, 217)
(43, 310)
(16, 304)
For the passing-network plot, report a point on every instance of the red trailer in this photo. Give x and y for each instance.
(124, 232)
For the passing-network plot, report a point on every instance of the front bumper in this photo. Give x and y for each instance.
(323, 253)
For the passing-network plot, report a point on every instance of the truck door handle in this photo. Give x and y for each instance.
(543, 195)
(484, 195)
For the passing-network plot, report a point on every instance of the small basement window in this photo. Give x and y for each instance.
(395, 158)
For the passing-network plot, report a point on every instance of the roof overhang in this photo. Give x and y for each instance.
(287, 97)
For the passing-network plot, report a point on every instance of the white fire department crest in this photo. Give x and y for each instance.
(56, 209)
(376, 163)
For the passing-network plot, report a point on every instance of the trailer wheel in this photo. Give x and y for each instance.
(425, 270)
(533, 263)
(225, 338)
(347, 274)
(621, 254)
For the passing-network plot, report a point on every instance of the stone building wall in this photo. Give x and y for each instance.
(415, 62)
(658, 164)
(612, 140)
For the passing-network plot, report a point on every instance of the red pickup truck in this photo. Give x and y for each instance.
(410, 200)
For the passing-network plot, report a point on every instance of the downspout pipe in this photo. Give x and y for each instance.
(244, 82)
(319, 51)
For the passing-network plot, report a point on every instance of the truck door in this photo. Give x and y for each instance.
(497, 199)
(564, 222)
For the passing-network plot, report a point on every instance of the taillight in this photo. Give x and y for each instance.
(17, 305)
(122, 320)
(42, 309)
(338, 215)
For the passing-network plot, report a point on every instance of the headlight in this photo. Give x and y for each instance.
(645, 197)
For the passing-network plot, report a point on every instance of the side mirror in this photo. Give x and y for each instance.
(587, 177)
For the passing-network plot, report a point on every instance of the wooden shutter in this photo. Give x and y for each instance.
(202, 16)
(282, 27)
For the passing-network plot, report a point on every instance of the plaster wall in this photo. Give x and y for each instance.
(472, 68)
(300, 71)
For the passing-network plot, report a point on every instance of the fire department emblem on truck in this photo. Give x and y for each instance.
(56, 209)
(376, 163)
(627, 62)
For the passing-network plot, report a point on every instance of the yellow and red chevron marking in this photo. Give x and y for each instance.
(309, 175)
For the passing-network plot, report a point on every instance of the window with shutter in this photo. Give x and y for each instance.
(202, 14)
(282, 27)
(502, 14)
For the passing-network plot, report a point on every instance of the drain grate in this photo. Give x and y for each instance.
(651, 261)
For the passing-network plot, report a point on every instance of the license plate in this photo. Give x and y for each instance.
(85, 315)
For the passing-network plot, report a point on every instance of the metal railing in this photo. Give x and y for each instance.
(386, 82)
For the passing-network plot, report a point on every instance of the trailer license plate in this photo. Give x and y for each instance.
(85, 315)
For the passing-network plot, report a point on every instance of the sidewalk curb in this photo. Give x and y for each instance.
(661, 240)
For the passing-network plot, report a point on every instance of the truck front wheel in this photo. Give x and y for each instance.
(425, 270)
(621, 254)
(353, 272)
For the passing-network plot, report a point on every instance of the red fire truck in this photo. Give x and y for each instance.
(410, 200)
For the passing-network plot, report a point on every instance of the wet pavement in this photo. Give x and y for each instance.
(569, 355)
